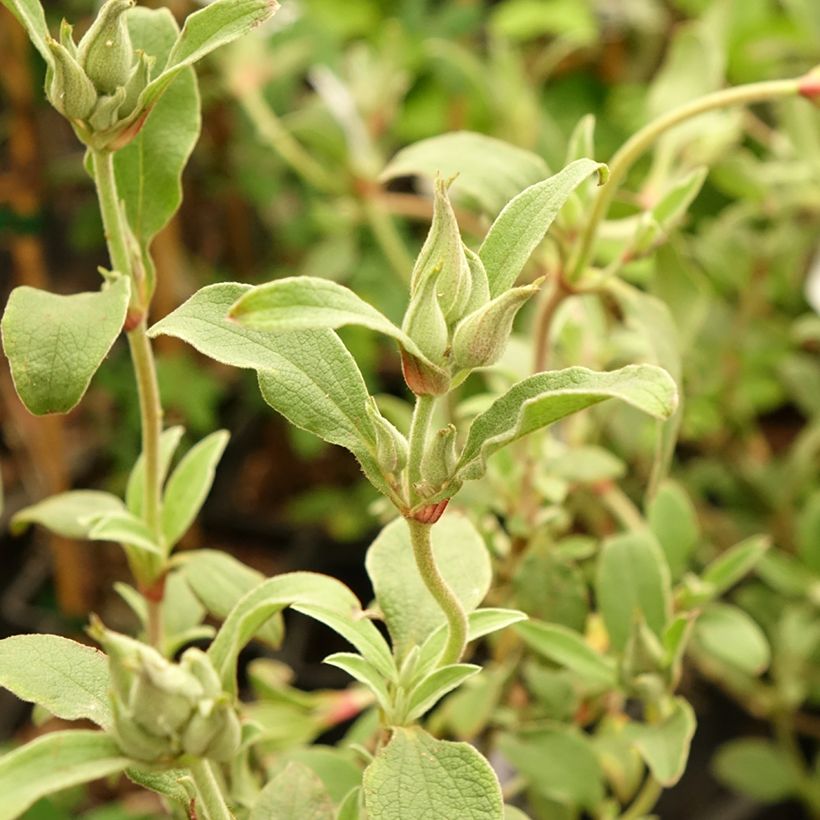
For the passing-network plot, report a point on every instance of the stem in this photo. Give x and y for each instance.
(543, 322)
(210, 802)
(422, 414)
(633, 148)
(113, 221)
(444, 596)
(645, 800)
(387, 237)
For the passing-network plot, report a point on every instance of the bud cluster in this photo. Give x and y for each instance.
(97, 83)
(164, 710)
(452, 317)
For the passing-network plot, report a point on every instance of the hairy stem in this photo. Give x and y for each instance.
(439, 589)
(422, 415)
(642, 140)
(548, 307)
(210, 803)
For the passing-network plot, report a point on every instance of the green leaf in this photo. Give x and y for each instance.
(219, 581)
(545, 398)
(665, 745)
(68, 514)
(410, 611)
(679, 195)
(568, 648)
(808, 532)
(149, 169)
(757, 768)
(490, 171)
(307, 303)
(632, 579)
(189, 485)
(416, 777)
(204, 31)
(435, 686)
(674, 521)
(31, 17)
(560, 763)
(265, 601)
(363, 671)
(124, 528)
(524, 222)
(166, 783)
(168, 442)
(54, 762)
(349, 808)
(308, 376)
(730, 635)
(296, 793)
(55, 344)
(730, 567)
(67, 678)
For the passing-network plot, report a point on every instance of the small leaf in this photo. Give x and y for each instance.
(124, 528)
(676, 199)
(416, 777)
(52, 763)
(168, 442)
(67, 678)
(55, 344)
(363, 671)
(730, 635)
(189, 485)
(166, 783)
(296, 793)
(68, 514)
(490, 171)
(674, 521)
(524, 222)
(410, 611)
(435, 686)
(665, 745)
(632, 578)
(31, 17)
(730, 567)
(567, 648)
(757, 768)
(545, 398)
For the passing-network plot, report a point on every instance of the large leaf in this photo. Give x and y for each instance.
(416, 777)
(524, 222)
(632, 580)
(410, 611)
(55, 343)
(149, 169)
(665, 745)
(67, 678)
(307, 302)
(674, 521)
(727, 633)
(70, 514)
(189, 485)
(54, 762)
(490, 171)
(31, 17)
(308, 376)
(296, 793)
(545, 398)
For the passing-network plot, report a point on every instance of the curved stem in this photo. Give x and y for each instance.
(543, 322)
(633, 148)
(210, 804)
(645, 801)
(439, 589)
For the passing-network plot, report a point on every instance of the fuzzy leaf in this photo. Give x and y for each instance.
(436, 685)
(540, 400)
(168, 443)
(31, 17)
(490, 171)
(296, 793)
(124, 528)
(55, 343)
(665, 745)
(189, 485)
(524, 222)
(363, 671)
(410, 611)
(68, 514)
(416, 777)
(67, 678)
(54, 762)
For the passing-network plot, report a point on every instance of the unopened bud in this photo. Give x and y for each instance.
(107, 111)
(439, 459)
(135, 741)
(140, 77)
(391, 446)
(105, 51)
(214, 731)
(422, 379)
(425, 323)
(70, 90)
(481, 337)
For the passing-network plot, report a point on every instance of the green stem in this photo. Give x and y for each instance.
(419, 426)
(439, 589)
(645, 801)
(633, 148)
(210, 803)
(112, 216)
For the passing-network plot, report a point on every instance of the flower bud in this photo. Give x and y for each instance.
(425, 323)
(481, 337)
(70, 91)
(140, 77)
(107, 111)
(439, 459)
(443, 260)
(214, 731)
(422, 379)
(391, 446)
(479, 284)
(135, 741)
(105, 51)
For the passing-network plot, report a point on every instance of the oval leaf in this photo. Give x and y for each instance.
(68, 514)
(732, 637)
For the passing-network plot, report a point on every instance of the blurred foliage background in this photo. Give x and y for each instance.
(299, 123)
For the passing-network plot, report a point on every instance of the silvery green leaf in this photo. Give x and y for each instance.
(363, 671)
(124, 528)
(68, 514)
(168, 443)
(432, 688)
(296, 793)
(55, 343)
(673, 519)
(732, 637)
